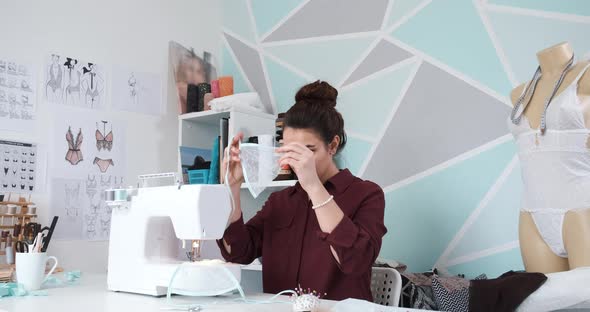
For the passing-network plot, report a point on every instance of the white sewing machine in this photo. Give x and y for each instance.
(150, 224)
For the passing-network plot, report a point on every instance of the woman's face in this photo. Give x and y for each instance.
(309, 138)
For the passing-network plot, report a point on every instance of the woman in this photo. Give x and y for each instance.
(325, 232)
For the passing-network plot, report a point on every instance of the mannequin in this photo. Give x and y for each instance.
(536, 253)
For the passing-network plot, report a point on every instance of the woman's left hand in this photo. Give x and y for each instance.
(301, 160)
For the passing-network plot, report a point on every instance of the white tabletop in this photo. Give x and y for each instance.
(91, 295)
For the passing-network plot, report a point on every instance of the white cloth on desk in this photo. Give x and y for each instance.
(356, 305)
(562, 290)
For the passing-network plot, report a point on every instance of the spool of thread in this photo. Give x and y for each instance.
(3, 209)
(11, 210)
(208, 97)
(24, 210)
(120, 195)
(226, 85)
(32, 209)
(215, 88)
(109, 195)
(9, 252)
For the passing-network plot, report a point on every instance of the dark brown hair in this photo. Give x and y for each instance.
(315, 109)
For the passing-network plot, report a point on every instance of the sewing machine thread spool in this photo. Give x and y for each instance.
(120, 195)
(11, 209)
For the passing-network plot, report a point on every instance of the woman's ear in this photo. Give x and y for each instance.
(333, 146)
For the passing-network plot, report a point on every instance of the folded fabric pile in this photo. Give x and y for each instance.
(429, 291)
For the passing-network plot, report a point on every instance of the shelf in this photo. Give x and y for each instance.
(16, 203)
(277, 184)
(18, 215)
(252, 267)
(207, 117)
(212, 117)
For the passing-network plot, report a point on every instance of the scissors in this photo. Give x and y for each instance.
(22, 246)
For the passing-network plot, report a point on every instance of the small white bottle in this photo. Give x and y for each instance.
(8, 250)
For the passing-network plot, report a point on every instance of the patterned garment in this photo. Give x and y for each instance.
(415, 296)
(452, 293)
(452, 301)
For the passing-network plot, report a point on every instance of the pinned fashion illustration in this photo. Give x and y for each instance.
(104, 141)
(103, 164)
(132, 82)
(53, 85)
(72, 91)
(74, 154)
(93, 85)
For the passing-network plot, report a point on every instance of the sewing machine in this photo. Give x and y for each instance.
(149, 228)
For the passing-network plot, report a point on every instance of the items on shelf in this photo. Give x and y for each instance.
(195, 96)
(226, 86)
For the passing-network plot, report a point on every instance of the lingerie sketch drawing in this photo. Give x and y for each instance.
(104, 141)
(72, 90)
(103, 164)
(22, 70)
(91, 187)
(132, 83)
(93, 85)
(90, 226)
(105, 226)
(2, 66)
(11, 68)
(25, 86)
(104, 182)
(53, 86)
(74, 154)
(72, 199)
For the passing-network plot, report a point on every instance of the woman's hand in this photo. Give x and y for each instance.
(301, 160)
(236, 175)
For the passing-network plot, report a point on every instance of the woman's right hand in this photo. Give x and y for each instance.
(236, 175)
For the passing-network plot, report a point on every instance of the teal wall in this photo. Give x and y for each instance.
(424, 92)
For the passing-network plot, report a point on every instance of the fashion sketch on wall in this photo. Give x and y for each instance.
(18, 164)
(89, 157)
(136, 91)
(17, 95)
(71, 81)
(187, 67)
(81, 208)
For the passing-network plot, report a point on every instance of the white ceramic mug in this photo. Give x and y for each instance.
(30, 269)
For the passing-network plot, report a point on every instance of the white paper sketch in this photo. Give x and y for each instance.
(89, 150)
(73, 77)
(17, 95)
(71, 81)
(136, 91)
(88, 145)
(66, 199)
(80, 203)
(18, 164)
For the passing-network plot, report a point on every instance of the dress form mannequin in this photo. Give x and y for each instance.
(536, 254)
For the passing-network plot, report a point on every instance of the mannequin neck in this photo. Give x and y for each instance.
(554, 59)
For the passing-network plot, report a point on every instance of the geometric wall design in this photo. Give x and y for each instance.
(423, 88)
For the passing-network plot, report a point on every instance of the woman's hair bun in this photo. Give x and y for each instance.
(318, 91)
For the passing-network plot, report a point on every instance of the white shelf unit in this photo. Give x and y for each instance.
(201, 128)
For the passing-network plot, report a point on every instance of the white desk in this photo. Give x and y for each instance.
(91, 295)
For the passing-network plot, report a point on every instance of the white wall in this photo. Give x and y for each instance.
(134, 33)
